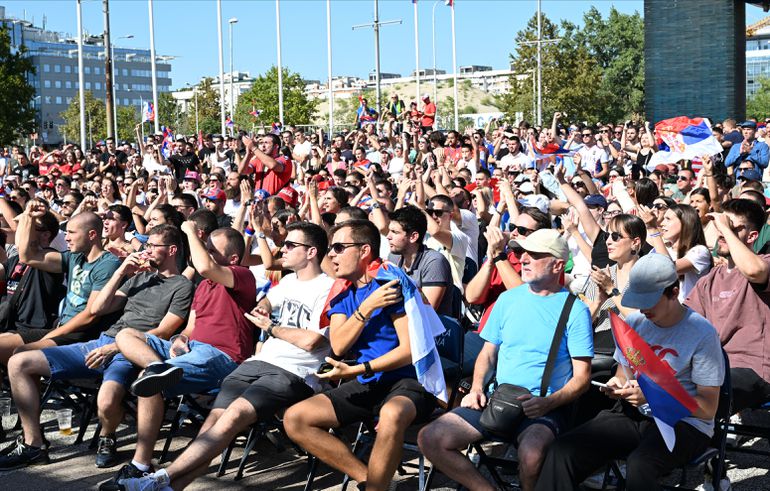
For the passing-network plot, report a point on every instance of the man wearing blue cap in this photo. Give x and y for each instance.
(684, 340)
(750, 149)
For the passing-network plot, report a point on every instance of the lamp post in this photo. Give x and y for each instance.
(115, 83)
(435, 78)
(280, 65)
(81, 89)
(221, 68)
(154, 69)
(232, 21)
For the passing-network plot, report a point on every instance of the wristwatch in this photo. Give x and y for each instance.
(368, 373)
(615, 292)
(261, 235)
(376, 205)
(500, 257)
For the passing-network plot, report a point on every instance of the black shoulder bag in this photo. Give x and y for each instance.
(503, 412)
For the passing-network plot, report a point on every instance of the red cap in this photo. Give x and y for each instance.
(216, 194)
(289, 195)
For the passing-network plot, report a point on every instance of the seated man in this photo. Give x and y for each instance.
(518, 337)
(735, 298)
(689, 345)
(429, 270)
(217, 338)
(282, 373)
(152, 301)
(368, 320)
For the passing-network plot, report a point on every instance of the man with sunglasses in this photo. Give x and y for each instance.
(684, 184)
(215, 341)
(152, 296)
(445, 236)
(368, 320)
(593, 158)
(280, 374)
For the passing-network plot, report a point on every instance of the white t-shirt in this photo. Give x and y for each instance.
(396, 166)
(590, 156)
(303, 149)
(470, 227)
(231, 207)
(700, 257)
(298, 304)
(521, 160)
(456, 255)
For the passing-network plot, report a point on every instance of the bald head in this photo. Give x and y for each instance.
(88, 221)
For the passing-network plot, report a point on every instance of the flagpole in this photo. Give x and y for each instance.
(454, 64)
(329, 65)
(154, 69)
(280, 66)
(221, 70)
(539, 67)
(81, 86)
(417, 51)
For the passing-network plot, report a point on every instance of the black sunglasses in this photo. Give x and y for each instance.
(290, 244)
(339, 247)
(435, 212)
(615, 236)
(660, 206)
(521, 230)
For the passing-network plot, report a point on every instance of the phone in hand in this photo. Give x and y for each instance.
(599, 384)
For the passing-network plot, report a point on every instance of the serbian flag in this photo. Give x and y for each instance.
(683, 138)
(424, 324)
(168, 138)
(450, 3)
(254, 112)
(668, 400)
(148, 112)
(229, 122)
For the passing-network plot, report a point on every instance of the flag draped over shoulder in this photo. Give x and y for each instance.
(668, 400)
(424, 325)
(683, 138)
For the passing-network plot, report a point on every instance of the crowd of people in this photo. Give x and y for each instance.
(166, 267)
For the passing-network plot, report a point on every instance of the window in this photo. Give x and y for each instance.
(48, 99)
(77, 85)
(125, 102)
(57, 84)
(68, 84)
(57, 68)
(88, 85)
(47, 84)
(97, 86)
(58, 99)
(87, 70)
(124, 72)
(97, 70)
(69, 100)
(67, 69)
(46, 68)
(125, 87)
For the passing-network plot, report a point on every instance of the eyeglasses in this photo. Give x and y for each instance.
(585, 135)
(611, 214)
(521, 230)
(70, 203)
(339, 247)
(150, 246)
(660, 206)
(682, 178)
(289, 244)
(618, 132)
(615, 236)
(605, 131)
(435, 212)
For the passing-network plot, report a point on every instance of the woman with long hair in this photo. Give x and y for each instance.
(700, 199)
(680, 236)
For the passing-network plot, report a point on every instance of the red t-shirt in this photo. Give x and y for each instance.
(219, 319)
(268, 179)
(430, 108)
(453, 154)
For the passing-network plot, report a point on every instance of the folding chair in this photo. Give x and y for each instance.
(78, 394)
(188, 407)
(450, 348)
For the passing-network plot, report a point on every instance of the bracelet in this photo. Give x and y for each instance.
(652, 236)
(358, 315)
(270, 330)
(249, 231)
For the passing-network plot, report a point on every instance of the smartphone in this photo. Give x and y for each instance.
(598, 384)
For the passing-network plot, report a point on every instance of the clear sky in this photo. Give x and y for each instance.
(188, 30)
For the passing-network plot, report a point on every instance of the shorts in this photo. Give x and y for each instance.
(355, 402)
(470, 270)
(204, 366)
(68, 362)
(268, 388)
(30, 335)
(555, 420)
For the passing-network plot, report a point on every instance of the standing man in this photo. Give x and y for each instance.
(272, 171)
(282, 373)
(518, 337)
(428, 118)
(750, 149)
(369, 320)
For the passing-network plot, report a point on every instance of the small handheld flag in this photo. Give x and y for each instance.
(229, 122)
(148, 112)
(254, 112)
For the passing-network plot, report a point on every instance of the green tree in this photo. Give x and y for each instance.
(758, 105)
(207, 108)
(17, 117)
(345, 110)
(263, 96)
(96, 119)
(169, 113)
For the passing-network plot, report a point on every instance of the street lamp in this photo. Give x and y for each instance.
(115, 83)
(435, 79)
(231, 22)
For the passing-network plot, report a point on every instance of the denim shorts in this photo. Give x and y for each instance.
(555, 421)
(69, 362)
(205, 367)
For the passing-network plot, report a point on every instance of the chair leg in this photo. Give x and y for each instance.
(250, 442)
(421, 472)
(225, 458)
(312, 468)
(172, 432)
(95, 437)
(85, 418)
(429, 478)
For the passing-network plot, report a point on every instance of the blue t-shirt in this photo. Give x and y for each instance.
(83, 278)
(522, 324)
(378, 335)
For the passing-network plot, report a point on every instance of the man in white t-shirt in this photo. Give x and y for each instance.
(279, 375)
(446, 237)
(302, 147)
(593, 158)
(515, 158)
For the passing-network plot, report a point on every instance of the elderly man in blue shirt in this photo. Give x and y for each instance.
(750, 149)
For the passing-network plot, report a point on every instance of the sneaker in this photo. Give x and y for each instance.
(127, 471)
(22, 455)
(156, 481)
(724, 485)
(156, 378)
(106, 452)
(733, 440)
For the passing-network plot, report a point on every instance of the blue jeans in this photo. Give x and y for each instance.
(69, 362)
(205, 367)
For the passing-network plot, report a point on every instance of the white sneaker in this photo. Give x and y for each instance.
(724, 485)
(156, 481)
(734, 440)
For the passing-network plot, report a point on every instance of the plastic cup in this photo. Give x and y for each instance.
(5, 406)
(64, 417)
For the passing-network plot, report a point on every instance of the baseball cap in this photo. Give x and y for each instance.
(538, 201)
(192, 175)
(289, 195)
(527, 187)
(545, 240)
(216, 195)
(261, 194)
(425, 96)
(651, 274)
(596, 200)
(750, 175)
(748, 124)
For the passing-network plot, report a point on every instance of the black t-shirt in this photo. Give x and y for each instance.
(38, 306)
(120, 157)
(599, 255)
(183, 163)
(224, 220)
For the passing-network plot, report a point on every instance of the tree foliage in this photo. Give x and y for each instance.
(207, 107)
(758, 105)
(17, 117)
(96, 119)
(263, 96)
(592, 73)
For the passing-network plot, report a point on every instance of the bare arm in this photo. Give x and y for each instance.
(29, 249)
(202, 260)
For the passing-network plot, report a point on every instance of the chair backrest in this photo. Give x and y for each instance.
(724, 410)
(450, 343)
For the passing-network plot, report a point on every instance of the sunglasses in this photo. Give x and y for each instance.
(585, 135)
(660, 206)
(615, 236)
(290, 245)
(435, 212)
(682, 178)
(521, 230)
(611, 214)
(339, 247)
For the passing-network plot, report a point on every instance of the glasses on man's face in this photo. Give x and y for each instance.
(290, 244)
(150, 246)
(682, 178)
(605, 131)
(438, 213)
(340, 247)
(523, 231)
(69, 203)
(618, 132)
(587, 135)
